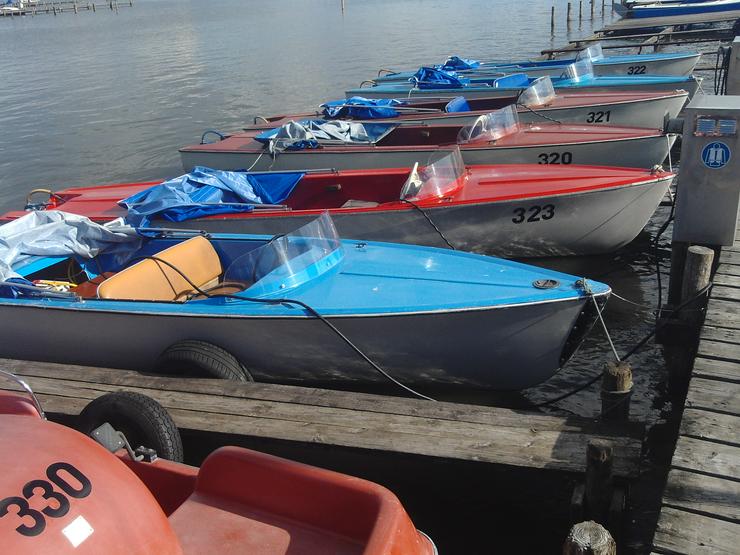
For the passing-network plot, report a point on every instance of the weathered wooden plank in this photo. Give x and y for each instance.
(707, 457)
(713, 426)
(723, 314)
(730, 257)
(721, 292)
(724, 335)
(683, 532)
(319, 397)
(727, 281)
(728, 370)
(727, 269)
(704, 494)
(714, 395)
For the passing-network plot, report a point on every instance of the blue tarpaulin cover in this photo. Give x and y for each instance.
(205, 192)
(309, 133)
(455, 63)
(431, 78)
(362, 108)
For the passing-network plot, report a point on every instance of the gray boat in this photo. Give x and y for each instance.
(497, 138)
(537, 104)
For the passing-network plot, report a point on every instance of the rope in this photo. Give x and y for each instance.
(430, 222)
(631, 352)
(587, 288)
(535, 112)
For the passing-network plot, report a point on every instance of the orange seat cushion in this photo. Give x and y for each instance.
(152, 280)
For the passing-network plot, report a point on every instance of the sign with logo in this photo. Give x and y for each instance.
(716, 155)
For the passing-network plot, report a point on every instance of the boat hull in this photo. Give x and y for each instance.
(640, 152)
(640, 12)
(643, 112)
(691, 86)
(583, 223)
(414, 348)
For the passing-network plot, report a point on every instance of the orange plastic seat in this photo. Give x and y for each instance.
(152, 280)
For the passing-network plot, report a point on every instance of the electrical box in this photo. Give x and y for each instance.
(733, 72)
(708, 191)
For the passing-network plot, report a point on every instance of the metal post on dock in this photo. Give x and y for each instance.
(589, 538)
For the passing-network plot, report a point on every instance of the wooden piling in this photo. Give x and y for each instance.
(589, 538)
(599, 487)
(592, 8)
(567, 13)
(580, 10)
(616, 391)
(552, 20)
(697, 271)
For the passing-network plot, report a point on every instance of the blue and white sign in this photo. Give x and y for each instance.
(716, 155)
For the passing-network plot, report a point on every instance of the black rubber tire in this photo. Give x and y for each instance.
(141, 419)
(202, 360)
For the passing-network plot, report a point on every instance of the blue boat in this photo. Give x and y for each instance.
(658, 63)
(687, 7)
(429, 82)
(285, 308)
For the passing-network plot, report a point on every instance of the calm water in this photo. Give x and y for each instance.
(107, 97)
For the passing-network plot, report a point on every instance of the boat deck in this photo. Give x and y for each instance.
(369, 423)
(701, 501)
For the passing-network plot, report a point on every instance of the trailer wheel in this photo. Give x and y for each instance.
(200, 359)
(141, 419)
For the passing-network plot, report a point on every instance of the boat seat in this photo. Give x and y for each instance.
(257, 503)
(352, 203)
(151, 280)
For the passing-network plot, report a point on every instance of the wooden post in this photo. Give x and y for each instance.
(580, 10)
(567, 13)
(592, 8)
(93, 6)
(697, 271)
(616, 391)
(598, 494)
(589, 538)
(74, 5)
(552, 20)
(602, 6)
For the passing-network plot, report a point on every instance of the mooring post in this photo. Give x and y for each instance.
(580, 10)
(552, 20)
(616, 391)
(93, 6)
(589, 538)
(592, 8)
(598, 493)
(696, 274)
(602, 6)
(567, 13)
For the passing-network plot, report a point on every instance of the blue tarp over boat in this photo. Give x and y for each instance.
(362, 108)
(309, 133)
(432, 78)
(455, 63)
(205, 192)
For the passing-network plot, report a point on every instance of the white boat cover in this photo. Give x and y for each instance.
(56, 233)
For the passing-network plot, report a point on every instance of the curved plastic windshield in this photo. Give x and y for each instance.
(593, 52)
(539, 93)
(437, 179)
(490, 127)
(579, 71)
(287, 261)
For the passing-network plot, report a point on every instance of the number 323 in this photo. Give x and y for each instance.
(533, 214)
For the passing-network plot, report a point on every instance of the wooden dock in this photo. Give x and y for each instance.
(61, 6)
(449, 431)
(701, 501)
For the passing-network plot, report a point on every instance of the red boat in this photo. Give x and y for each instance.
(65, 493)
(510, 210)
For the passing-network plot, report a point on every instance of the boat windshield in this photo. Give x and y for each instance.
(593, 52)
(287, 261)
(580, 70)
(490, 127)
(539, 93)
(439, 178)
